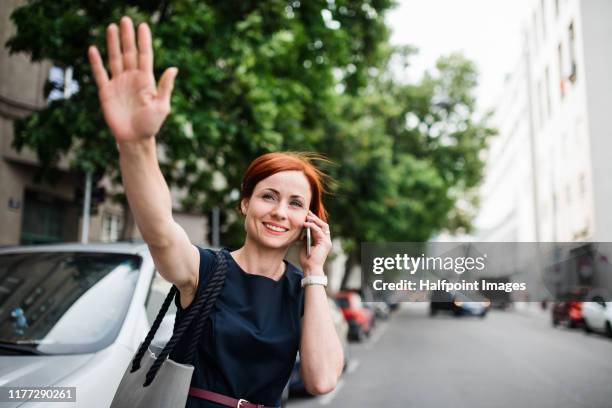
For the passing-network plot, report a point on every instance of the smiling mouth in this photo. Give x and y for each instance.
(274, 228)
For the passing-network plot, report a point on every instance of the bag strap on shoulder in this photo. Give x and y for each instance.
(202, 307)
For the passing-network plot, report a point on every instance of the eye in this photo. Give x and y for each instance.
(297, 203)
(267, 196)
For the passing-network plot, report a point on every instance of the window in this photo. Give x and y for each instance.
(111, 227)
(582, 184)
(44, 219)
(157, 294)
(540, 98)
(547, 89)
(561, 70)
(572, 53)
(535, 31)
(543, 12)
(68, 302)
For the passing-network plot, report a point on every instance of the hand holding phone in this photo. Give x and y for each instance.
(308, 242)
(307, 237)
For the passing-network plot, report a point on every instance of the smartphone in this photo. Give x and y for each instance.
(308, 242)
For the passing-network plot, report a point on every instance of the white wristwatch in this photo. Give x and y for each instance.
(315, 280)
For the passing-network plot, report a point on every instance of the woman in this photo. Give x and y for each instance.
(266, 311)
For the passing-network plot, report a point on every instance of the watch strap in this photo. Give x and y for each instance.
(314, 280)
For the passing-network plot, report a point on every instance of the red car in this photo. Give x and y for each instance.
(569, 312)
(358, 317)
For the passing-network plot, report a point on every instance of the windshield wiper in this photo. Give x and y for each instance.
(25, 348)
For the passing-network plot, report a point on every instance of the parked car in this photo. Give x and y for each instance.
(73, 315)
(358, 317)
(380, 309)
(568, 311)
(597, 316)
(458, 304)
(296, 385)
(393, 305)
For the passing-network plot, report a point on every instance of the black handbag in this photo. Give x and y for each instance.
(136, 389)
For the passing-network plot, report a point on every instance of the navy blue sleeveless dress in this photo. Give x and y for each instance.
(252, 337)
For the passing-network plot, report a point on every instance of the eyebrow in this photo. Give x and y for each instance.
(294, 195)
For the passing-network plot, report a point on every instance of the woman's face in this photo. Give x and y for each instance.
(277, 209)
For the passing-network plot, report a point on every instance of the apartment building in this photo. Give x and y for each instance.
(548, 171)
(548, 174)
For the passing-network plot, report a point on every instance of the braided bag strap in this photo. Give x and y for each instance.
(205, 302)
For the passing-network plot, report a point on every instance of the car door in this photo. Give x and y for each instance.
(599, 311)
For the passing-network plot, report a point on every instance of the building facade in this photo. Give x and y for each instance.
(547, 175)
(548, 171)
(33, 212)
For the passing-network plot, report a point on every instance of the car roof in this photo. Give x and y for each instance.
(115, 247)
(124, 247)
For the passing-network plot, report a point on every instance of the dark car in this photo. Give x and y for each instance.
(458, 304)
(568, 312)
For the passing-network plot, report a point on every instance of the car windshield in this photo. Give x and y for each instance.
(65, 302)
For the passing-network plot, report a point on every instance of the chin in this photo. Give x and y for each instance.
(275, 244)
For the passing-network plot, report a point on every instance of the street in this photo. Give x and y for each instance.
(508, 359)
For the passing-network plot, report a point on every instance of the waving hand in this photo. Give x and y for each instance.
(134, 108)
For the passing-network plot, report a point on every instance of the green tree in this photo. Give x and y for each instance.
(255, 76)
(410, 156)
(258, 76)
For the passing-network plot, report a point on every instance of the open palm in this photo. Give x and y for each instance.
(134, 108)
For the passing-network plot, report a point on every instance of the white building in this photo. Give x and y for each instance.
(548, 172)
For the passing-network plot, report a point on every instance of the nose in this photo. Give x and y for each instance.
(280, 211)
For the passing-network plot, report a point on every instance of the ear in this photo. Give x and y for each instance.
(244, 204)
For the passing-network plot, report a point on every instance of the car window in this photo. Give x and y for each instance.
(441, 296)
(65, 302)
(157, 294)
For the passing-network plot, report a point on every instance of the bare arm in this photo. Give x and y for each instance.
(321, 355)
(149, 198)
(134, 109)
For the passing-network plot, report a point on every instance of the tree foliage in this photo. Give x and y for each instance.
(259, 76)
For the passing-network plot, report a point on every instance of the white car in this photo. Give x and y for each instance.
(73, 315)
(597, 315)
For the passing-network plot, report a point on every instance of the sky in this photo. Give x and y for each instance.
(486, 31)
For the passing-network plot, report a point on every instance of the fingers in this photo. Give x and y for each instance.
(166, 84)
(319, 235)
(114, 50)
(128, 44)
(145, 49)
(99, 73)
(317, 220)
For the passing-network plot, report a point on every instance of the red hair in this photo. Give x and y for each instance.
(272, 163)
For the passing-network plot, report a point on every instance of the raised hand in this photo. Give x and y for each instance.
(134, 108)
